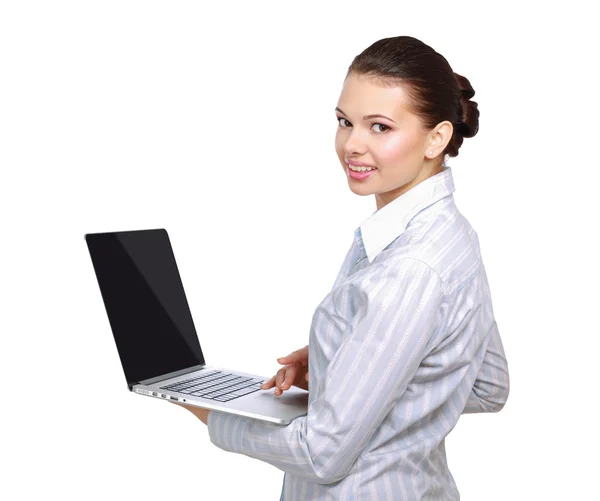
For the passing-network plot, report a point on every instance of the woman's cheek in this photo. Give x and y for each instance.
(393, 149)
(339, 146)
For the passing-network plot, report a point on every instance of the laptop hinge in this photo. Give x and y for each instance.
(164, 377)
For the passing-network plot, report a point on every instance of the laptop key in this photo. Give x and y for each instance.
(216, 387)
(240, 386)
(220, 390)
(224, 398)
(213, 383)
(244, 391)
(193, 381)
(217, 393)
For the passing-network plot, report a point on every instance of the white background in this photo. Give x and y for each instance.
(216, 121)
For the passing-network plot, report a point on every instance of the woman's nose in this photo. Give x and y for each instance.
(354, 145)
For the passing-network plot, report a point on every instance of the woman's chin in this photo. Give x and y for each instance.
(359, 188)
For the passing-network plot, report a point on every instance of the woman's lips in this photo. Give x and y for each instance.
(359, 176)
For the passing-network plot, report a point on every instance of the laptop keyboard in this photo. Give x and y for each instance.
(217, 385)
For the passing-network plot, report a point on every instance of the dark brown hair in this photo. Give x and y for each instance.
(435, 91)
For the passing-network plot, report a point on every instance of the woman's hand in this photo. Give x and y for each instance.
(294, 373)
(199, 412)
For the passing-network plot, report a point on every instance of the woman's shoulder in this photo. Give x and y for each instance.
(446, 242)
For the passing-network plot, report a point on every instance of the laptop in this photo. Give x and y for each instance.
(155, 335)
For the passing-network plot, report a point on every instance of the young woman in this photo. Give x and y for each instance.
(406, 341)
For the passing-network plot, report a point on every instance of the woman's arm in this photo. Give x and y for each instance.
(368, 373)
(491, 388)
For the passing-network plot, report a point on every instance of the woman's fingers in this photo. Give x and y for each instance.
(289, 359)
(306, 376)
(279, 378)
(268, 384)
(298, 356)
(290, 376)
(283, 380)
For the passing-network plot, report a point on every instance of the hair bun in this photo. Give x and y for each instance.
(468, 124)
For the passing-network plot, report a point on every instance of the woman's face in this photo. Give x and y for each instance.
(395, 144)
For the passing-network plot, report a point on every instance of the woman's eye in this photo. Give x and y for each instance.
(384, 126)
(341, 119)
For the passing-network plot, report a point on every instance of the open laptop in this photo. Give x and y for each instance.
(155, 335)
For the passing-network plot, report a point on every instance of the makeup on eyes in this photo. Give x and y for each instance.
(386, 127)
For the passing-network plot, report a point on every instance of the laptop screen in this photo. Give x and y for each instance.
(145, 302)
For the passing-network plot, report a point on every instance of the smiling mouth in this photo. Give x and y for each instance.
(360, 169)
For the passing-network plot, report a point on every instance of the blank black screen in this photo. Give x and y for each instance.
(145, 302)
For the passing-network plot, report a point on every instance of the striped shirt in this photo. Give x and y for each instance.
(403, 344)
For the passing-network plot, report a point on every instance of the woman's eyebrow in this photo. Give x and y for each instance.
(366, 117)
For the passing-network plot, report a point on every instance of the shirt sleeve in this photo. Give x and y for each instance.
(364, 379)
(491, 388)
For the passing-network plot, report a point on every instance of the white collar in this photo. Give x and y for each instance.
(389, 222)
